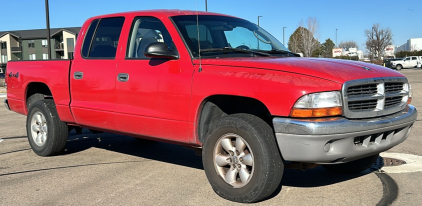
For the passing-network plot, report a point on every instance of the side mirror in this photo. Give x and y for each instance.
(160, 50)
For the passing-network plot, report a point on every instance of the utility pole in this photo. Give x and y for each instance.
(47, 19)
(206, 5)
(283, 36)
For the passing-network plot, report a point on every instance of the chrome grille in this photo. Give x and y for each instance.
(374, 97)
(362, 90)
(392, 101)
(393, 87)
(363, 105)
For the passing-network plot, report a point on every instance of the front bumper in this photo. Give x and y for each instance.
(337, 140)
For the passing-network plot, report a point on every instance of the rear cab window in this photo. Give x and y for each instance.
(102, 38)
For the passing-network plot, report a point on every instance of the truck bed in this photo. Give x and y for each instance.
(54, 73)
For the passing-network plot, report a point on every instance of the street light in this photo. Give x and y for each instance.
(258, 19)
(257, 38)
(283, 36)
(47, 19)
(206, 5)
(336, 38)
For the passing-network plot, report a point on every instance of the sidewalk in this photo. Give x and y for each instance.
(2, 90)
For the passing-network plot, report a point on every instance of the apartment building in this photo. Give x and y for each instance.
(32, 44)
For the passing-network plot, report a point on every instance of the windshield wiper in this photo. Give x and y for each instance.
(230, 49)
(277, 51)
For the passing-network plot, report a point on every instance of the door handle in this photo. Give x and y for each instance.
(78, 75)
(122, 77)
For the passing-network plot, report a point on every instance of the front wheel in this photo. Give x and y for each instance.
(352, 167)
(47, 134)
(241, 159)
(399, 67)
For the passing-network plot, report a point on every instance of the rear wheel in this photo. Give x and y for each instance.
(399, 67)
(47, 134)
(241, 159)
(32, 99)
(352, 167)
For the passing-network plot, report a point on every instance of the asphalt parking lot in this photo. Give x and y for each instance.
(109, 169)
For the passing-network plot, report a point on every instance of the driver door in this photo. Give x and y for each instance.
(153, 100)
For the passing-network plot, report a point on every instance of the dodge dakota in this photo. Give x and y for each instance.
(219, 84)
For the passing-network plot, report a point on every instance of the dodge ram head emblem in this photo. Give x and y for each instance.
(367, 68)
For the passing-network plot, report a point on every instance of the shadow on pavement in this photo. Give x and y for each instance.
(182, 156)
(159, 151)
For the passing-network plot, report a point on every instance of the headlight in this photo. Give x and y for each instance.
(318, 105)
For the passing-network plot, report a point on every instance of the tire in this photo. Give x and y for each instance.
(50, 138)
(352, 167)
(399, 67)
(32, 99)
(258, 163)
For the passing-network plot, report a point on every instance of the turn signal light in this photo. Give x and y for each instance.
(318, 112)
(409, 100)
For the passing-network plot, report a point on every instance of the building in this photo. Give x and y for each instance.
(390, 51)
(414, 44)
(32, 44)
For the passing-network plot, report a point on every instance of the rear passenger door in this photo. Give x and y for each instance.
(153, 95)
(413, 62)
(93, 74)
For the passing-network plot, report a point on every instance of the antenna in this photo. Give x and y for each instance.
(199, 43)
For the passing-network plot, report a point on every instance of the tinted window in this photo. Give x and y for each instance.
(106, 38)
(147, 30)
(414, 58)
(88, 38)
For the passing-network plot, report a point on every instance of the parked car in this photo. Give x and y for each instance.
(407, 62)
(219, 84)
(387, 62)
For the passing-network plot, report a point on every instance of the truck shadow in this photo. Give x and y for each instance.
(179, 155)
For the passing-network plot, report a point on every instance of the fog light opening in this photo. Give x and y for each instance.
(327, 147)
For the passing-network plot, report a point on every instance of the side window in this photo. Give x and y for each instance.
(147, 30)
(205, 38)
(106, 36)
(88, 38)
(414, 58)
(408, 58)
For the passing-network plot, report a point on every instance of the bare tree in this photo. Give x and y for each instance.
(377, 39)
(348, 44)
(309, 39)
(294, 44)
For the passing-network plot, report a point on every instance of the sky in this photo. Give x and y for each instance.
(350, 18)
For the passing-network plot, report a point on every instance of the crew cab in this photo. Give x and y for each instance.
(406, 63)
(219, 84)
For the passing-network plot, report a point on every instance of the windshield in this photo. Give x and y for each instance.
(218, 33)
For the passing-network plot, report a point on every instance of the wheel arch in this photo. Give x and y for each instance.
(37, 87)
(215, 107)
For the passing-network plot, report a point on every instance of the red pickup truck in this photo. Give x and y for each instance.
(216, 83)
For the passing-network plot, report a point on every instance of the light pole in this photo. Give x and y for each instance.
(336, 38)
(258, 19)
(283, 36)
(47, 19)
(206, 5)
(257, 38)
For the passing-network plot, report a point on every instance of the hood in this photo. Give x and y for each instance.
(331, 69)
